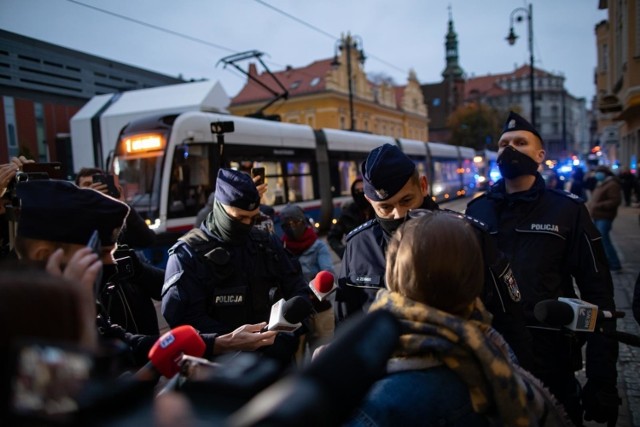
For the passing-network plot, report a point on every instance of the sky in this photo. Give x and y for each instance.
(187, 38)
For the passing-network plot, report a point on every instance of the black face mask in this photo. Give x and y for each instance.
(512, 163)
(360, 200)
(230, 230)
(390, 225)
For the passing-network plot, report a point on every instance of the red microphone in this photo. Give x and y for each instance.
(322, 285)
(166, 353)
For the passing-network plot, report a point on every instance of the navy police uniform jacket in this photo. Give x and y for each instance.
(551, 241)
(363, 266)
(363, 274)
(216, 287)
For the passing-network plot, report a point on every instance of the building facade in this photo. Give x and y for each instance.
(561, 118)
(43, 85)
(617, 79)
(321, 95)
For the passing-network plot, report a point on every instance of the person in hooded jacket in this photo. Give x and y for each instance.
(354, 213)
(302, 242)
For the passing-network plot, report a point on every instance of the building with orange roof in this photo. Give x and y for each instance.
(318, 95)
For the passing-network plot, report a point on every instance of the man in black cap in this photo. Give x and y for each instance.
(551, 241)
(56, 222)
(227, 272)
(394, 187)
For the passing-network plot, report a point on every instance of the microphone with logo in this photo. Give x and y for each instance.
(286, 316)
(166, 353)
(581, 316)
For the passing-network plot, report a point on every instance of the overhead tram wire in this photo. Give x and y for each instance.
(155, 27)
(324, 33)
(224, 48)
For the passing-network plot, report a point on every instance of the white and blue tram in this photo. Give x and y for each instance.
(167, 165)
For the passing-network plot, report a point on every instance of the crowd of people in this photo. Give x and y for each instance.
(471, 349)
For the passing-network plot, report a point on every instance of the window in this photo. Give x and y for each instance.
(315, 81)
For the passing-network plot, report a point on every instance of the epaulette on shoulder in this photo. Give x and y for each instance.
(475, 199)
(473, 221)
(567, 194)
(361, 227)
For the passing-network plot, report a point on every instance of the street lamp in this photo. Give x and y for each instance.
(511, 38)
(349, 43)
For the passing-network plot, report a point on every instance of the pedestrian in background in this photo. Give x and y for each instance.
(577, 183)
(301, 241)
(353, 213)
(603, 208)
(628, 183)
(551, 241)
(450, 367)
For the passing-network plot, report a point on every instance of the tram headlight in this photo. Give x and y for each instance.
(153, 225)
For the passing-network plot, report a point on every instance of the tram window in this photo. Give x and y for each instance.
(189, 185)
(299, 182)
(348, 171)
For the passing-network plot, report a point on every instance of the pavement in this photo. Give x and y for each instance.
(626, 237)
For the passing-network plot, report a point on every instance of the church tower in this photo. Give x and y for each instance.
(452, 71)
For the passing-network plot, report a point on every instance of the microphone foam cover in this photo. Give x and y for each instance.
(553, 312)
(181, 340)
(296, 309)
(323, 282)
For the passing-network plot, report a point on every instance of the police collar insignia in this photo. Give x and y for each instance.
(381, 193)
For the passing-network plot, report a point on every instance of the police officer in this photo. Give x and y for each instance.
(57, 220)
(551, 241)
(226, 272)
(394, 187)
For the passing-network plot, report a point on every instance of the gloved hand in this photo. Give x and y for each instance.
(600, 402)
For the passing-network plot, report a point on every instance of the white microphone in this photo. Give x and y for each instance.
(286, 316)
(572, 313)
(323, 285)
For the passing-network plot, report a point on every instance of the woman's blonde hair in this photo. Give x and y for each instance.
(435, 259)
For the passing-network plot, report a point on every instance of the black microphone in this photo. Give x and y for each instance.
(572, 313)
(286, 316)
(578, 316)
(328, 390)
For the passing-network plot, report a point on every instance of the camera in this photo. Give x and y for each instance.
(125, 262)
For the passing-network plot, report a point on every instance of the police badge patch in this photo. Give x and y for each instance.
(381, 193)
(512, 286)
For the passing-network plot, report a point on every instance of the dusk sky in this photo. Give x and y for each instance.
(189, 37)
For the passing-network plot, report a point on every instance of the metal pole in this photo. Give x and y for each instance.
(531, 76)
(353, 120)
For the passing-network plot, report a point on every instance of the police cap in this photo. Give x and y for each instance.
(237, 189)
(516, 122)
(385, 172)
(60, 211)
